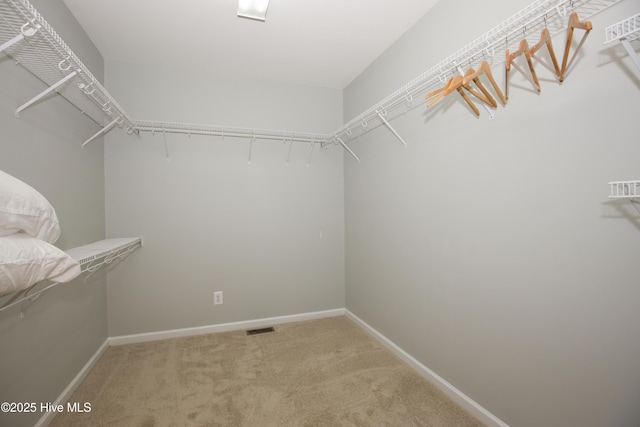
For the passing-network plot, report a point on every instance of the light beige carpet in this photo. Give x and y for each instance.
(325, 372)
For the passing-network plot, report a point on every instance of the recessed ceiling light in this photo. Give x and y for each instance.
(253, 9)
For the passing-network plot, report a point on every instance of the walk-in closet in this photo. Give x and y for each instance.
(417, 213)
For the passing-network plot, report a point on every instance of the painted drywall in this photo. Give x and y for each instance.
(488, 249)
(60, 331)
(269, 235)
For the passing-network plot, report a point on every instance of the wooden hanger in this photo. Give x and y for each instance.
(438, 93)
(522, 49)
(545, 40)
(484, 68)
(485, 96)
(574, 22)
(453, 84)
(458, 84)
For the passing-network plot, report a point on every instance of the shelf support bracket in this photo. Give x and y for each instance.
(45, 92)
(11, 42)
(253, 138)
(631, 51)
(289, 152)
(101, 132)
(347, 148)
(25, 31)
(379, 113)
(166, 147)
(313, 144)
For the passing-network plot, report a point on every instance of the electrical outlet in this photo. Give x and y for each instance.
(217, 298)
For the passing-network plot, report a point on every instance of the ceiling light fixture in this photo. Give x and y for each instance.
(253, 9)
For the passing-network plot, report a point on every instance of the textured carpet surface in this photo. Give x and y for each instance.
(325, 372)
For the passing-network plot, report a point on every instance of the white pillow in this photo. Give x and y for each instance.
(24, 209)
(26, 260)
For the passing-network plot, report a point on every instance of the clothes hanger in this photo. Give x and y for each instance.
(545, 40)
(484, 68)
(458, 84)
(485, 96)
(438, 93)
(522, 49)
(453, 84)
(574, 22)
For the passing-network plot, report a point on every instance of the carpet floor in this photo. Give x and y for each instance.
(325, 372)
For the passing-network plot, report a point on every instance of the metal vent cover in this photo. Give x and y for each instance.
(260, 331)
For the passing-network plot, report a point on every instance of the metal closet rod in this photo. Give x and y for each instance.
(232, 132)
(488, 47)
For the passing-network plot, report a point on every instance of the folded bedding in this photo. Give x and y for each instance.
(23, 209)
(26, 260)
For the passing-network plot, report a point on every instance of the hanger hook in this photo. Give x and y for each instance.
(27, 30)
(62, 62)
(562, 12)
(408, 97)
(489, 52)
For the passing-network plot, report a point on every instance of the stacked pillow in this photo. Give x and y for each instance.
(28, 228)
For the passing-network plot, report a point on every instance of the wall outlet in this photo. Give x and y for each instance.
(217, 298)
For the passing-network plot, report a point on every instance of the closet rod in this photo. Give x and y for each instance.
(489, 47)
(233, 132)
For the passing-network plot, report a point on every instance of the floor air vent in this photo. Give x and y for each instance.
(260, 331)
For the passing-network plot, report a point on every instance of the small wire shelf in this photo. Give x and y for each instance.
(624, 189)
(91, 258)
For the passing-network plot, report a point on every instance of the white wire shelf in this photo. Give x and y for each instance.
(225, 131)
(625, 32)
(91, 257)
(628, 29)
(28, 39)
(490, 47)
(233, 132)
(624, 189)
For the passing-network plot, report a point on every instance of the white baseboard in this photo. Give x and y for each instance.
(456, 395)
(224, 327)
(73, 385)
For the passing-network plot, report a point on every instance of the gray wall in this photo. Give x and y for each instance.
(488, 249)
(44, 350)
(210, 220)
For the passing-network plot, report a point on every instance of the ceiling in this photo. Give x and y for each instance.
(325, 43)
